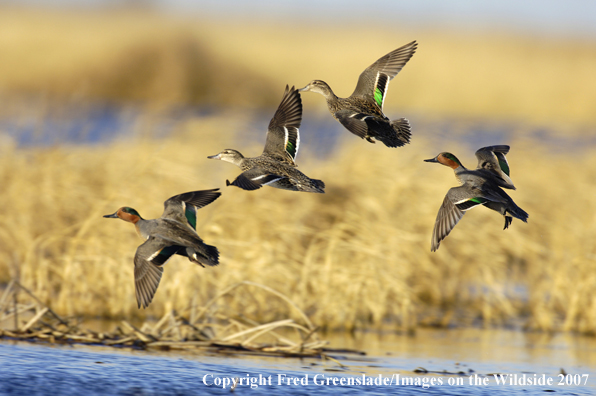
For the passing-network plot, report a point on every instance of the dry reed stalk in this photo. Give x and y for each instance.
(266, 288)
(129, 335)
(141, 335)
(34, 320)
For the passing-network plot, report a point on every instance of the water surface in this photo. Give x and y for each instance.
(466, 355)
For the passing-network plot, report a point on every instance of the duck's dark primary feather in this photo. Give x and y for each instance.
(283, 136)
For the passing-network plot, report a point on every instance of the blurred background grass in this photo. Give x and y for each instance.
(357, 257)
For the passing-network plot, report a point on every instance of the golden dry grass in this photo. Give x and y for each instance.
(355, 257)
(358, 256)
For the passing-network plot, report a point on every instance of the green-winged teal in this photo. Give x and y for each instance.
(173, 233)
(362, 112)
(479, 187)
(276, 166)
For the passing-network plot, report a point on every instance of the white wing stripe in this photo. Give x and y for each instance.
(154, 255)
(297, 142)
(272, 181)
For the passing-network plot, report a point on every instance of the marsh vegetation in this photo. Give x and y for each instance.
(356, 257)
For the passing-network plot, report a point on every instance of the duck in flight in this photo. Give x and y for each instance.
(482, 186)
(276, 166)
(173, 233)
(362, 112)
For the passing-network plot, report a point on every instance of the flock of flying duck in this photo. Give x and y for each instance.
(362, 114)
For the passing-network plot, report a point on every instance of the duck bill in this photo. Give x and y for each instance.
(432, 160)
(216, 156)
(112, 216)
(305, 89)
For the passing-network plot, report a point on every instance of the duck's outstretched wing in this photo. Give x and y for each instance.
(254, 179)
(374, 80)
(458, 201)
(493, 160)
(183, 207)
(283, 135)
(149, 260)
(449, 215)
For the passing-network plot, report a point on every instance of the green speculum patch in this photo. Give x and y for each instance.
(504, 167)
(168, 251)
(165, 254)
(379, 97)
(291, 149)
(479, 200)
(191, 216)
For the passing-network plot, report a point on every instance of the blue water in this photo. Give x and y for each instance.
(103, 123)
(30, 369)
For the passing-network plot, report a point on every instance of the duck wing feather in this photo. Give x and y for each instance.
(374, 80)
(254, 179)
(183, 207)
(492, 159)
(283, 135)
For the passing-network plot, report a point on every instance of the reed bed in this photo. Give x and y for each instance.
(357, 257)
(204, 329)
